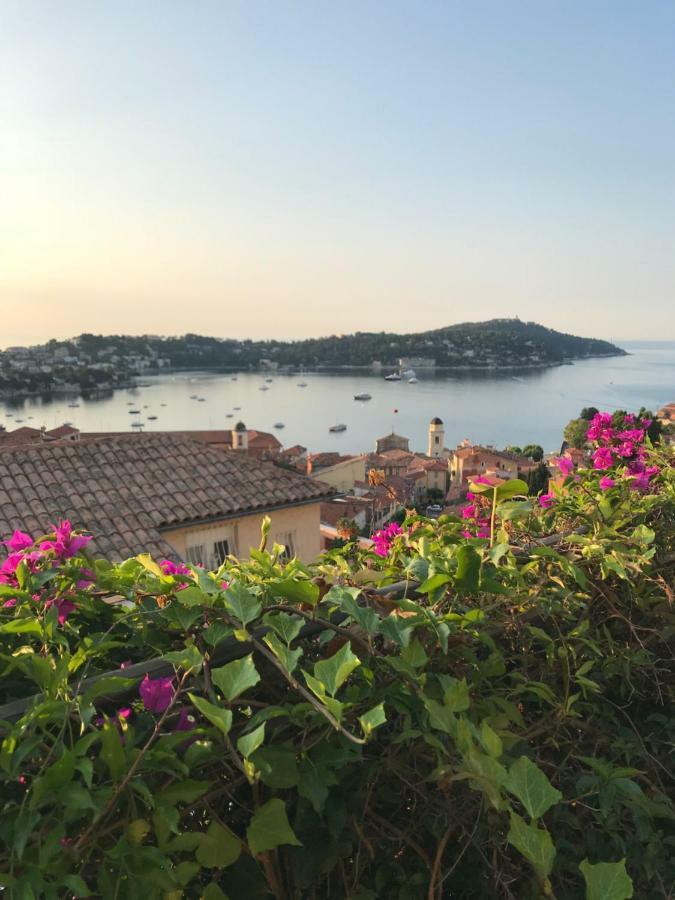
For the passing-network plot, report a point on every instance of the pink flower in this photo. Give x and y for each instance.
(172, 568)
(546, 500)
(9, 604)
(64, 608)
(646, 423)
(19, 541)
(483, 479)
(469, 512)
(384, 538)
(565, 464)
(640, 482)
(224, 585)
(156, 693)
(186, 720)
(602, 458)
(120, 716)
(606, 483)
(65, 543)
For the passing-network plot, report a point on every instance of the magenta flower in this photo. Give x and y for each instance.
(565, 464)
(66, 544)
(606, 483)
(384, 538)
(224, 585)
(602, 458)
(64, 606)
(186, 720)
(172, 568)
(8, 604)
(546, 500)
(640, 482)
(120, 716)
(19, 541)
(156, 693)
(483, 479)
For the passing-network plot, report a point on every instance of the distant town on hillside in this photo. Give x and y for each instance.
(98, 361)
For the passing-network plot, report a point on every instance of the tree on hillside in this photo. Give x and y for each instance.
(655, 429)
(575, 433)
(588, 412)
(534, 451)
(513, 449)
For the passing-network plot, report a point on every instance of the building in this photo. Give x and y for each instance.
(666, 415)
(341, 472)
(417, 362)
(471, 460)
(163, 494)
(392, 442)
(436, 442)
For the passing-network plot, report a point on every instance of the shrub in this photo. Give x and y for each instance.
(448, 717)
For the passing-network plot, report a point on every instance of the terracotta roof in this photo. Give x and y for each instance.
(20, 436)
(329, 458)
(62, 431)
(396, 453)
(127, 490)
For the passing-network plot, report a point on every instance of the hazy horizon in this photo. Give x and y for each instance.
(292, 170)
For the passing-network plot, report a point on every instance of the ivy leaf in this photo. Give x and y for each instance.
(241, 602)
(534, 843)
(455, 693)
(297, 591)
(333, 672)
(288, 658)
(221, 718)
(57, 775)
(148, 563)
(607, 881)
(269, 828)
(188, 658)
(247, 743)
(236, 677)
(286, 626)
(372, 719)
(77, 885)
(530, 785)
(468, 569)
(218, 848)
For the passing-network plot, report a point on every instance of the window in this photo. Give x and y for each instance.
(195, 555)
(287, 540)
(436, 439)
(221, 550)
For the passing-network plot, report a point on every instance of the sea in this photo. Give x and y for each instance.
(501, 408)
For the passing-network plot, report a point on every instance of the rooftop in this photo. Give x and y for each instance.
(127, 490)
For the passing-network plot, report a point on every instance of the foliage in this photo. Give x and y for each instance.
(537, 479)
(575, 433)
(500, 727)
(534, 451)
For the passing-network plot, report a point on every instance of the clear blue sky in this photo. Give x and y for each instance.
(289, 169)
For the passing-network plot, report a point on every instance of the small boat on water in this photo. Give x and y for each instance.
(73, 404)
(18, 421)
(302, 384)
(228, 416)
(362, 397)
(193, 397)
(201, 399)
(263, 387)
(237, 408)
(409, 373)
(393, 377)
(234, 378)
(134, 412)
(152, 418)
(130, 402)
(269, 380)
(338, 428)
(279, 425)
(162, 404)
(137, 425)
(412, 380)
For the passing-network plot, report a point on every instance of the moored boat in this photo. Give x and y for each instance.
(362, 397)
(338, 428)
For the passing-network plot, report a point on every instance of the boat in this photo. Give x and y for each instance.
(302, 384)
(18, 420)
(263, 387)
(412, 380)
(362, 397)
(338, 428)
(152, 418)
(234, 378)
(73, 404)
(228, 416)
(237, 408)
(134, 412)
(162, 404)
(279, 425)
(130, 402)
(137, 425)
(193, 396)
(201, 399)
(269, 380)
(393, 377)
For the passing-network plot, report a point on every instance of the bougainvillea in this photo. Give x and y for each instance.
(496, 726)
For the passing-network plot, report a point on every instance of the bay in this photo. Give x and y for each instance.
(515, 407)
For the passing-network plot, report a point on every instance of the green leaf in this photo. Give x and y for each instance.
(372, 719)
(490, 740)
(269, 828)
(57, 775)
(534, 843)
(236, 677)
(193, 596)
(414, 655)
(137, 830)
(512, 488)
(286, 626)
(77, 885)
(218, 848)
(148, 563)
(109, 685)
(188, 658)
(333, 672)
(221, 718)
(28, 625)
(531, 786)
(288, 658)
(607, 881)
(345, 599)
(215, 633)
(455, 693)
(213, 892)
(432, 584)
(112, 750)
(277, 766)
(186, 791)
(247, 743)
(297, 591)
(242, 603)
(468, 569)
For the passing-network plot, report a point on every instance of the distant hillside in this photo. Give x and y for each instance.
(499, 343)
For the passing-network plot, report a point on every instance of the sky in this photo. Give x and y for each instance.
(290, 169)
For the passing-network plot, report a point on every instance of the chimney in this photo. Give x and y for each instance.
(310, 464)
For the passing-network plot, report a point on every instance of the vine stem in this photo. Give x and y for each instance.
(431, 894)
(110, 805)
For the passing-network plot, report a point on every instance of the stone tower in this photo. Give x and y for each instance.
(240, 437)
(436, 438)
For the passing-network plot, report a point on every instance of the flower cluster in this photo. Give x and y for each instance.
(52, 550)
(384, 538)
(621, 446)
(476, 513)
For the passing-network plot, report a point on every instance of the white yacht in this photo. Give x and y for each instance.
(393, 377)
(362, 397)
(338, 428)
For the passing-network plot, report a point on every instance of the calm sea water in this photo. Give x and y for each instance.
(513, 408)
